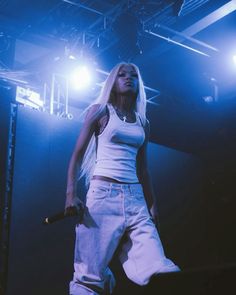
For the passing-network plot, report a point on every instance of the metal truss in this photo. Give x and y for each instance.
(97, 35)
(7, 200)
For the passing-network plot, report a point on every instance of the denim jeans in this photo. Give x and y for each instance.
(112, 210)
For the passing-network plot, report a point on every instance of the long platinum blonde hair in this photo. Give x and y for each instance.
(105, 97)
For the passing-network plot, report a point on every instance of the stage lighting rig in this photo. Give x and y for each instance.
(4, 42)
(177, 7)
(72, 77)
(28, 97)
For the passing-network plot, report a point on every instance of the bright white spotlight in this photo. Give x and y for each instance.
(234, 59)
(72, 57)
(208, 99)
(80, 78)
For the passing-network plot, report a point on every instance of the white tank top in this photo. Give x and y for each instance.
(117, 148)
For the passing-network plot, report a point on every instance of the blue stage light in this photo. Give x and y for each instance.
(234, 59)
(72, 57)
(208, 99)
(80, 78)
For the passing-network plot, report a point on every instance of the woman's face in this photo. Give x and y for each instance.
(126, 81)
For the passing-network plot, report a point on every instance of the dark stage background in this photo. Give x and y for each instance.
(195, 227)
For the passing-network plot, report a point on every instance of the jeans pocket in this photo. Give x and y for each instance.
(138, 193)
(139, 197)
(97, 192)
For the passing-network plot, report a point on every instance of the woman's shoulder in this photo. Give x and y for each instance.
(96, 111)
(144, 122)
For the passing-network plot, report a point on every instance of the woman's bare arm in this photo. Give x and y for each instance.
(85, 135)
(144, 175)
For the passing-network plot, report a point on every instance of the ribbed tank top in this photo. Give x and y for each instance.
(117, 148)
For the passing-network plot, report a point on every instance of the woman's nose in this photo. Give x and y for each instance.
(129, 77)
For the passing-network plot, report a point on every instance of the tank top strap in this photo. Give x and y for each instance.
(111, 109)
(139, 119)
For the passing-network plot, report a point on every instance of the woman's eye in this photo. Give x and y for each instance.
(123, 75)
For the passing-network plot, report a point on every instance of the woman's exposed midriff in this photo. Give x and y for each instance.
(105, 178)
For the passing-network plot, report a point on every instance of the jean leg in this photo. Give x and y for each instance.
(96, 241)
(142, 254)
(78, 289)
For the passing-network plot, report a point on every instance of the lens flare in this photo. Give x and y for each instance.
(80, 78)
(234, 59)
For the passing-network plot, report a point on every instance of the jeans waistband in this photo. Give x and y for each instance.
(115, 185)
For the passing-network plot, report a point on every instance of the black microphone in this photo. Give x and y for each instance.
(70, 212)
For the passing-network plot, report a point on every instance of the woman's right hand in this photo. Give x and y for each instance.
(86, 132)
(70, 196)
(74, 206)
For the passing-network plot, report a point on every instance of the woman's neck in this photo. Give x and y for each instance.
(124, 104)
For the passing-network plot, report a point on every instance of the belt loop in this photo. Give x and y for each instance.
(130, 189)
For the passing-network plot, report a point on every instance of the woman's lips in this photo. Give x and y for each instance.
(129, 84)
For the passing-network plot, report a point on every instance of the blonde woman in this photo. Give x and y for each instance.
(111, 153)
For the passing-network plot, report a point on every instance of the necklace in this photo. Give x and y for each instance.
(121, 115)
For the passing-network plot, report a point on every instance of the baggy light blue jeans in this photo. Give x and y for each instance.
(112, 210)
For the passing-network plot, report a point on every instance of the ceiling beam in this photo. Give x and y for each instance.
(210, 18)
(84, 7)
(200, 25)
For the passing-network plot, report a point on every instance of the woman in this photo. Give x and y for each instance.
(111, 153)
